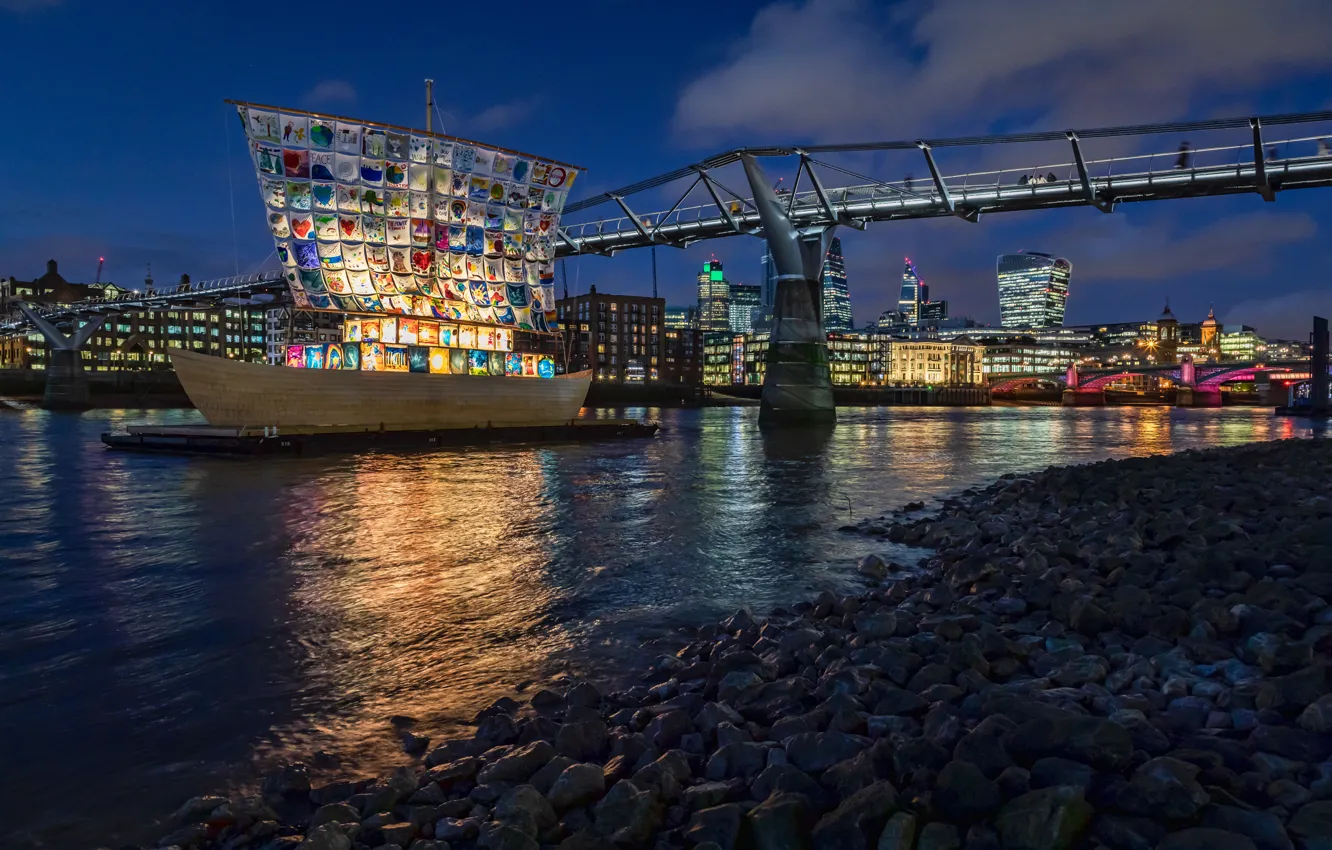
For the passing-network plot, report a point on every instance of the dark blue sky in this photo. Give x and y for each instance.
(118, 143)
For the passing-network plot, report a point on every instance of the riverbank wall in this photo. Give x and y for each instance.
(1127, 654)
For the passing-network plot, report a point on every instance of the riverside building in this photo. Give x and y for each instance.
(1033, 289)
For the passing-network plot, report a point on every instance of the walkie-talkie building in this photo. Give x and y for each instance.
(1033, 289)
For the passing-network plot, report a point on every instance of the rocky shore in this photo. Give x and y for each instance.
(1130, 654)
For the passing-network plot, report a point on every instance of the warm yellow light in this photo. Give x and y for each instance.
(439, 361)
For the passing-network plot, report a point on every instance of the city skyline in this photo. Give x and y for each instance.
(730, 86)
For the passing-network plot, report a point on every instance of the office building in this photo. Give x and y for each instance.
(932, 362)
(1033, 289)
(682, 356)
(744, 300)
(836, 295)
(681, 317)
(616, 336)
(768, 278)
(714, 296)
(932, 313)
(1240, 343)
(912, 294)
(1025, 356)
(133, 341)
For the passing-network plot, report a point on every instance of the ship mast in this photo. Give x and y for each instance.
(430, 102)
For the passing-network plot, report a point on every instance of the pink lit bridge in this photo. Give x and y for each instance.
(1199, 384)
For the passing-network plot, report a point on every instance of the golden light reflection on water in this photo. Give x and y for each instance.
(229, 611)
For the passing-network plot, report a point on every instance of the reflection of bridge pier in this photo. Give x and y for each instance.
(1187, 396)
(1094, 397)
(66, 380)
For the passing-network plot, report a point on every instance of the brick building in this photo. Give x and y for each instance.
(618, 337)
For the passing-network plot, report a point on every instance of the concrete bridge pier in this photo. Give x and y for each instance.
(1186, 396)
(1083, 398)
(797, 384)
(66, 380)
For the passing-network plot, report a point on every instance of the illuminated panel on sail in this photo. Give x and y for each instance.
(371, 218)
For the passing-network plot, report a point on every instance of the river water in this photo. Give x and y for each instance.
(171, 626)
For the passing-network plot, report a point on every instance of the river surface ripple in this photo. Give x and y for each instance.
(170, 626)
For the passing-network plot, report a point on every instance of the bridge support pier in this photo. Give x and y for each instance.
(1186, 396)
(66, 380)
(797, 384)
(1082, 398)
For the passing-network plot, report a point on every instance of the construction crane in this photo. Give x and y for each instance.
(100, 262)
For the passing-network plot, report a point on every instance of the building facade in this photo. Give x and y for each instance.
(1026, 356)
(714, 299)
(1240, 343)
(682, 357)
(954, 363)
(913, 292)
(745, 298)
(768, 278)
(1033, 289)
(836, 294)
(618, 337)
(681, 317)
(130, 341)
(288, 326)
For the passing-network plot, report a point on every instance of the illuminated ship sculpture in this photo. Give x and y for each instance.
(438, 253)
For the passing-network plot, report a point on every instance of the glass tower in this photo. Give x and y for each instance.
(912, 294)
(836, 296)
(744, 299)
(1033, 289)
(714, 297)
(768, 274)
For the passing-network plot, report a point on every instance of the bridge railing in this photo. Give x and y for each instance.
(1295, 159)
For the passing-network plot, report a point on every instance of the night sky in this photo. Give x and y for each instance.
(117, 142)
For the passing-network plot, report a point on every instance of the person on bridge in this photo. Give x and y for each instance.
(1185, 158)
(908, 181)
(1324, 148)
(1271, 153)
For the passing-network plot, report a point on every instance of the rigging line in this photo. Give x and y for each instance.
(231, 187)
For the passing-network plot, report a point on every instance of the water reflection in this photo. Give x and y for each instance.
(173, 620)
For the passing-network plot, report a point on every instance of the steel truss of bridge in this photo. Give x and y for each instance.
(1267, 163)
(249, 289)
(1279, 154)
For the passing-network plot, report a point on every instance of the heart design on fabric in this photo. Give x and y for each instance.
(300, 227)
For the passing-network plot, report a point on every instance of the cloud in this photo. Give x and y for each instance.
(840, 69)
(330, 92)
(1283, 316)
(501, 116)
(1119, 250)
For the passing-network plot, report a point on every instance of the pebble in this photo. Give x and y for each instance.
(1123, 654)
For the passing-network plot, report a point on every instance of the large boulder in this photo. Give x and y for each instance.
(858, 821)
(627, 815)
(781, 822)
(578, 785)
(1093, 740)
(519, 765)
(1047, 819)
(719, 824)
(1164, 788)
(962, 793)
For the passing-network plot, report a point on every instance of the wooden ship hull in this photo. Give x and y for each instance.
(235, 394)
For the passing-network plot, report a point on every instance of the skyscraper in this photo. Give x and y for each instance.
(1033, 289)
(744, 300)
(836, 296)
(912, 294)
(714, 296)
(768, 275)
